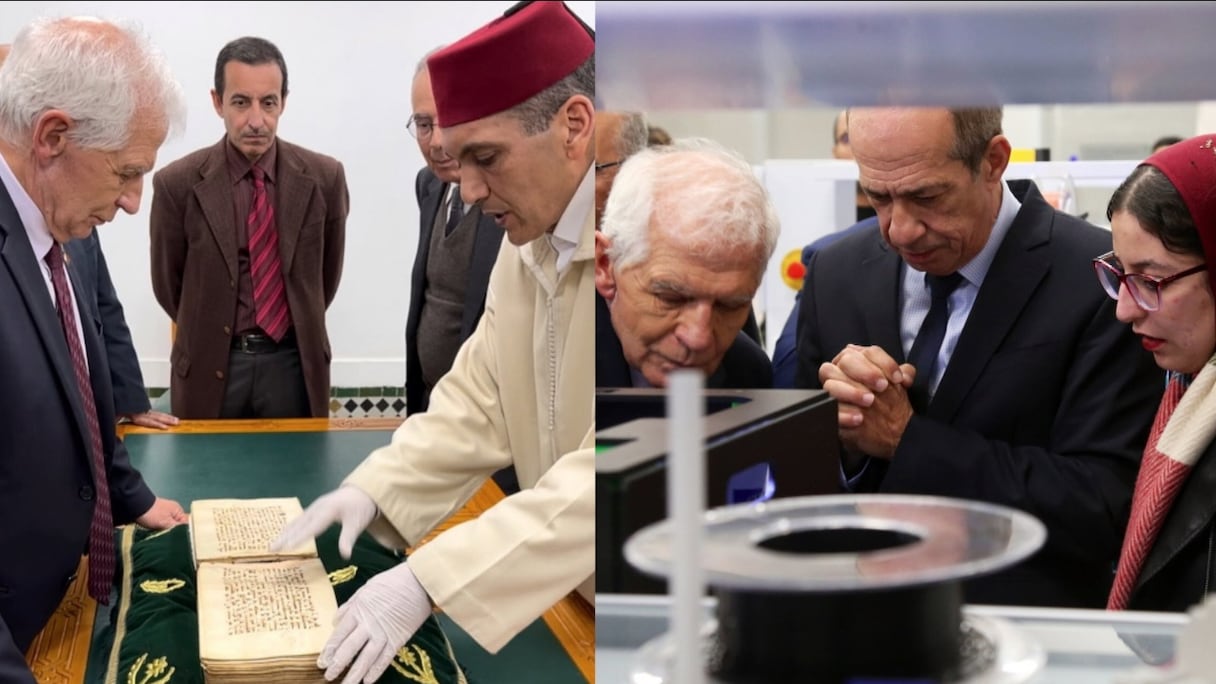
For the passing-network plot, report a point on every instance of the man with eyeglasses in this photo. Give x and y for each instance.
(457, 246)
(618, 136)
(971, 353)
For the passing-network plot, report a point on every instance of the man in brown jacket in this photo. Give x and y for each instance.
(247, 245)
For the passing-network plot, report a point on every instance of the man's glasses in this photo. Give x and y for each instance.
(420, 127)
(1145, 289)
(607, 165)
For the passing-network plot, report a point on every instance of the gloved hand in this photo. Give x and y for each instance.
(374, 624)
(348, 505)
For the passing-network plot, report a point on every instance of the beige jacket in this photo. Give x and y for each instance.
(530, 364)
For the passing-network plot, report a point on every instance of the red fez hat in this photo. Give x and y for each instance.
(506, 62)
(1191, 167)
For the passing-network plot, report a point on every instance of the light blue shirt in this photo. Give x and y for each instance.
(915, 298)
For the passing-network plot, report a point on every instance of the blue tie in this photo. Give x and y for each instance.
(929, 340)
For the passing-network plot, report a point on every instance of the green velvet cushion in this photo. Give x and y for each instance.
(156, 630)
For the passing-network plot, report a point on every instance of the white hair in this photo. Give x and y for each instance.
(101, 73)
(708, 192)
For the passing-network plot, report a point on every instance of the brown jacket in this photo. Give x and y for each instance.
(194, 266)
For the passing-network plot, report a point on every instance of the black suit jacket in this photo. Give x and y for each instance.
(430, 191)
(1045, 405)
(745, 365)
(99, 295)
(46, 483)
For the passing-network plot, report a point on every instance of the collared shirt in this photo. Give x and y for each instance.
(915, 292)
(565, 236)
(239, 172)
(40, 239)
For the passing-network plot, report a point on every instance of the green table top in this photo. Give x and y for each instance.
(189, 466)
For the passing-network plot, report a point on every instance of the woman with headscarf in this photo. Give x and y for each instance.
(1163, 274)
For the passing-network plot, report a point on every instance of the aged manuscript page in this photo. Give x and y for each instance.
(241, 529)
(251, 611)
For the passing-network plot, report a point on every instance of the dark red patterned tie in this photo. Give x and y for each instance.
(269, 295)
(1157, 485)
(101, 532)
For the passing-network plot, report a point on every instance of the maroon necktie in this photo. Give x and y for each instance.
(269, 296)
(101, 532)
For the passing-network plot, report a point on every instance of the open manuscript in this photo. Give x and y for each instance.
(262, 617)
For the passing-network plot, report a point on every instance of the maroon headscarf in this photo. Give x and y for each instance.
(1191, 167)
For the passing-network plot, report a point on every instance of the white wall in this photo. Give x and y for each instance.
(349, 68)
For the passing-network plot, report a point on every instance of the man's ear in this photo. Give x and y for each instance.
(605, 279)
(51, 133)
(996, 158)
(217, 101)
(577, 118)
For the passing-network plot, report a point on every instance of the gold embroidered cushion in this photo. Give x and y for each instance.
(156, 619)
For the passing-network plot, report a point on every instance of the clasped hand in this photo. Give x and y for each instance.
(871, 392)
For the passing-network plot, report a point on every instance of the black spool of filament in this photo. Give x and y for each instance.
(832, 588)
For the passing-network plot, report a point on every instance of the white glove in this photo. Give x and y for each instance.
(374, 624)
(348, 505)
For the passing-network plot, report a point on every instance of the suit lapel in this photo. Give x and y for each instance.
(295, 190)
(19, 258)
(611, 368)
(880, 290)
(1191, 515)
(99, 366)
(1011, 280)
(214, 194)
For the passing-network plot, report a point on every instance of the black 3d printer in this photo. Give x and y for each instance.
(759, 444)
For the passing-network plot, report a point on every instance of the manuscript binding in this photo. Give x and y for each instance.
(263, 617)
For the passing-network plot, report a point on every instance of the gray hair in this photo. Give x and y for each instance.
(102, 74)
(536, 113)
(633, 134)
(973, 130)
(710, 192)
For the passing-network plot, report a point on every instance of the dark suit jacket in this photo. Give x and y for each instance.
(195, 268)
(46, 482)
(1045, 405)
(1178, 570)
(430, 192)
(785, 358)
(99, 295)
(745, 366)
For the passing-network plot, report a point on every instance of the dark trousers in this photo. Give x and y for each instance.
(265, 383)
